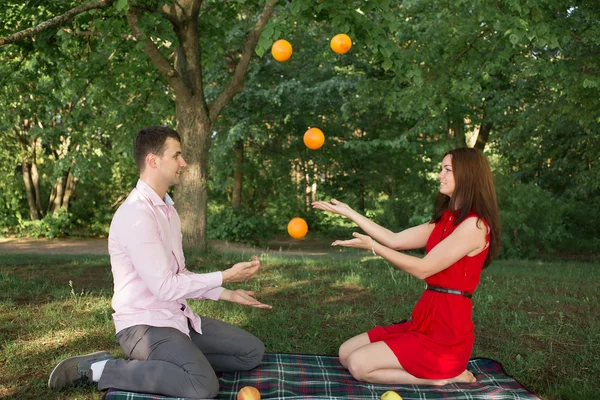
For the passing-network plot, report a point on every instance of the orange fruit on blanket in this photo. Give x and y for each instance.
(248, 393)
(281, 50)
(297, 228)
(314, 138)
(341, 43)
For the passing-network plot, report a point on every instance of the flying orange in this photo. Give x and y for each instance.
(314, 138)
(281, 50)
(297, 228)
(341, 43)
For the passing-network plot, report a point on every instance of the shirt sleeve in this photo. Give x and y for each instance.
(212, 294)
(141, 240)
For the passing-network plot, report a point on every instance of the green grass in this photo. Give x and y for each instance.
(539, 319)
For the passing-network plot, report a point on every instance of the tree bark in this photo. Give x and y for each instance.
(307, 187)
(484, 135)
(34, 215)
(238, 174)
(56, 21)
(57, 201)
(297, 168)
(186, 80)
(361, 196)
(457, 130)
(35, 180)
(194, 118)
(70, 188)
(191, 195)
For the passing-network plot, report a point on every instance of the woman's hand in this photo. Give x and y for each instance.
(243, 297)
(335, 207)
(359, 242)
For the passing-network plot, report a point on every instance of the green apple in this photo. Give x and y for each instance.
(390, 395)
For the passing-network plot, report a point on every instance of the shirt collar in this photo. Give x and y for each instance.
(152, 196)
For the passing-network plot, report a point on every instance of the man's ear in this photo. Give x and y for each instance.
(151, 160)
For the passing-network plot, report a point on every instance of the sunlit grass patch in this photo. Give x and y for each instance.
(540, 319)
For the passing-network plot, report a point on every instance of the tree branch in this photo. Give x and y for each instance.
(158, 59)
(470, 46)
(237, 80)
(56, 21)
(484, 135)
(165, 10)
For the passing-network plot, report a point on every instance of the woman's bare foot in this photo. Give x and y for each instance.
(465, 377)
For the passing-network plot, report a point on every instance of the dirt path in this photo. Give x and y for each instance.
(284, 246)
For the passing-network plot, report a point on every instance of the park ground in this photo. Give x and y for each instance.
(99, 246)
(538, 318)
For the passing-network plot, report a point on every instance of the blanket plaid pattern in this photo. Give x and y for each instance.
(311, 377)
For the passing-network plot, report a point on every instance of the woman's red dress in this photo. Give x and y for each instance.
(437, 342)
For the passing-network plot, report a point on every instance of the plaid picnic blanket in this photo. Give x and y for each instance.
(311, 377)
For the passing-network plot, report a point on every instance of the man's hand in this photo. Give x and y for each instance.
(241, 271)
(243, 297)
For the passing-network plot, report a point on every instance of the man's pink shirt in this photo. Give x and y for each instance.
(148, 266)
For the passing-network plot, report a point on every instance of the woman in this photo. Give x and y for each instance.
(462, 238)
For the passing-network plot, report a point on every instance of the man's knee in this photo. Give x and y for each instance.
(254, 356)
(203, 387)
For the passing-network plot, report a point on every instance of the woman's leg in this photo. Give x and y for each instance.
(376, 363)
(352, 344)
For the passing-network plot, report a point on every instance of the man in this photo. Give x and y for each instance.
(172, 351)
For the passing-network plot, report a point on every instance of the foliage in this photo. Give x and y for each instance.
(51, 226)
(421, 77)
(239, 225)
(533, 220)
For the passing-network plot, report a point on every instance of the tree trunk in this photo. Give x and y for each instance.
(483, 136)
(33, 211)
(56, 204)
(306, 176)
(299, 184)
(70, 188)
(194, 118)
(238, 176)
(457, 130)
(191, 195)
(361, 196)
(35, 180)
(314, 186)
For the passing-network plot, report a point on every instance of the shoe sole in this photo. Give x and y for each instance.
(68, 362)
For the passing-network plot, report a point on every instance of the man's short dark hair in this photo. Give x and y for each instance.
(151, 139)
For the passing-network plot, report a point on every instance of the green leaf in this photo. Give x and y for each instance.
(267, 33)
(264, 43)
(121, 5)
(387, 64)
